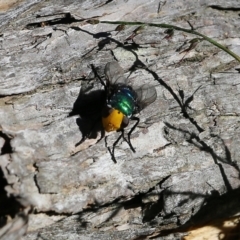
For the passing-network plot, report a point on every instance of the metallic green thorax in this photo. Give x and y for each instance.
(124, 100)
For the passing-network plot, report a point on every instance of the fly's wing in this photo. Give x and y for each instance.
(114, 74)
(145, 95)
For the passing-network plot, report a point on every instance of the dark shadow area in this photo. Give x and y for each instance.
(89, 107)
(213, 213)
(217, 7)
(6, 148)
(54, 19)
(9, 205)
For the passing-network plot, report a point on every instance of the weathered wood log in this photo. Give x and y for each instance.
(185, 171)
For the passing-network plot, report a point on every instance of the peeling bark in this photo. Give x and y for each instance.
(185, 171)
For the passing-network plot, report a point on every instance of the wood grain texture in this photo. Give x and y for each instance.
(186, 165)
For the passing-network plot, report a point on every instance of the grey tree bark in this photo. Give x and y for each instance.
(185, 171)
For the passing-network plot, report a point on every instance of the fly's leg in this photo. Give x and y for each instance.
(81, 141)
(102, 135)
(122, 136)
(99, 78)
(114, 145)
(130, 132)
(87, 136)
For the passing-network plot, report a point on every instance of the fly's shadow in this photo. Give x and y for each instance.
(89, 106)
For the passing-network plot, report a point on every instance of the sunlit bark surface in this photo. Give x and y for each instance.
(185, 172)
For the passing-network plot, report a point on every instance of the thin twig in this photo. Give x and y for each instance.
(163, 25)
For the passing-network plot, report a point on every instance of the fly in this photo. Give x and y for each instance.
(123, 102)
